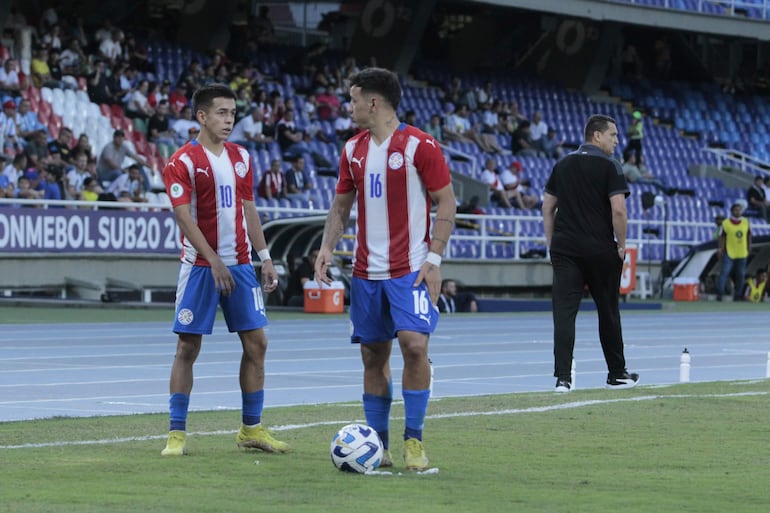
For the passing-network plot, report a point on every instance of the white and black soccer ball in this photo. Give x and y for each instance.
(356, 448)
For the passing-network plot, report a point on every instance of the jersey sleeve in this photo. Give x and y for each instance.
(345, 182)
(431, 164)
(176, 176)
(617, 183)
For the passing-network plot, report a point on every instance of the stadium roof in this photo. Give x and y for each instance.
(646, 16)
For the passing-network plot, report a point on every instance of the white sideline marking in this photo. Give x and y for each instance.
(289, 427)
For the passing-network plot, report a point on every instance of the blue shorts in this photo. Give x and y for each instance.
(197, 300)
(379, 309)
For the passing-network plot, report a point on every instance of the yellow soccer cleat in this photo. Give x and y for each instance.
(176, 444)
(258, 437)
(414, 455)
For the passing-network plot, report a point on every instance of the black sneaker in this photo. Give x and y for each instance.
(625, 380)
(563, 385)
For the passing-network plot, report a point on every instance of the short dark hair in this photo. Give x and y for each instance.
(597, 123)
(380, 81)
(203, 98)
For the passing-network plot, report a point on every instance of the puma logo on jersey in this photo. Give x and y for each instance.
(431, 142)
(359, 161)
(204, 171)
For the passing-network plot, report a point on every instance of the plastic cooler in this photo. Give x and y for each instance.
(686, 289)
(327, 299)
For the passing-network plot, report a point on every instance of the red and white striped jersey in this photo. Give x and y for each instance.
(214, 187)
(392, 181)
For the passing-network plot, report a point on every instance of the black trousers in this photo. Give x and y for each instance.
(602, 275)
(634, 145)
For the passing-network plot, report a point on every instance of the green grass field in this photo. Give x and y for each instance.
(684, 448)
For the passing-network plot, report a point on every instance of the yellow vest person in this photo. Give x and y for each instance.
(733, 251)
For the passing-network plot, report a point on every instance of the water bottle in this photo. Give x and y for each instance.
(684, 367)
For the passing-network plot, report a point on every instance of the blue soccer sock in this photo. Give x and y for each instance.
(415, 408)
(377, 412)
(177, 408)
(251, 412)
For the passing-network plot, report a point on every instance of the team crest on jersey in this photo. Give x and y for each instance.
(240, 169)
(176, 190)
(395, 161)
(185, 316)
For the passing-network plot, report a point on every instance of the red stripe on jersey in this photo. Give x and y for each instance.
(244, 190)
(205, 201)
(354, 178)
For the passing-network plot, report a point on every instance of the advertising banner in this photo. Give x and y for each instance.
(63, 230)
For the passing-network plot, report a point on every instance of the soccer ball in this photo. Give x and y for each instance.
(356, 448)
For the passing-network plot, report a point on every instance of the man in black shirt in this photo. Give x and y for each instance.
(62, 145)
(585, 219)
(757, 199)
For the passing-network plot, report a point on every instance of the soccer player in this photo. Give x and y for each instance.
(211, 186)
(393, 171)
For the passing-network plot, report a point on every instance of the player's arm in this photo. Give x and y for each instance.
(223, 280)
(550, 203)
(446, 207)
(336, 222)
(258, 242)
(619, 221)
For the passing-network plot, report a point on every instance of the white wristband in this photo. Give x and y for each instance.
(264, 254)
(433, 259)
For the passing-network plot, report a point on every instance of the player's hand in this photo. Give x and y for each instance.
(223, 280)
(269, 277)
(321, 268)
(431, 275)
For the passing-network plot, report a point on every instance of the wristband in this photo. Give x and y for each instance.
(264, 254)
(433, 259)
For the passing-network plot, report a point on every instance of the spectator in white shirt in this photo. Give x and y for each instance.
(138, 106)
(538, 129)
(249, 131)
(182, 126)
(343, 125)
(9, 77)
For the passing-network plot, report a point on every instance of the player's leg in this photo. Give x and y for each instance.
(195, 312)
(378, 392)
(724, 272)
(602, 274)
(414, 318)
(567, 292)
(373, 330)
(244, 312)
